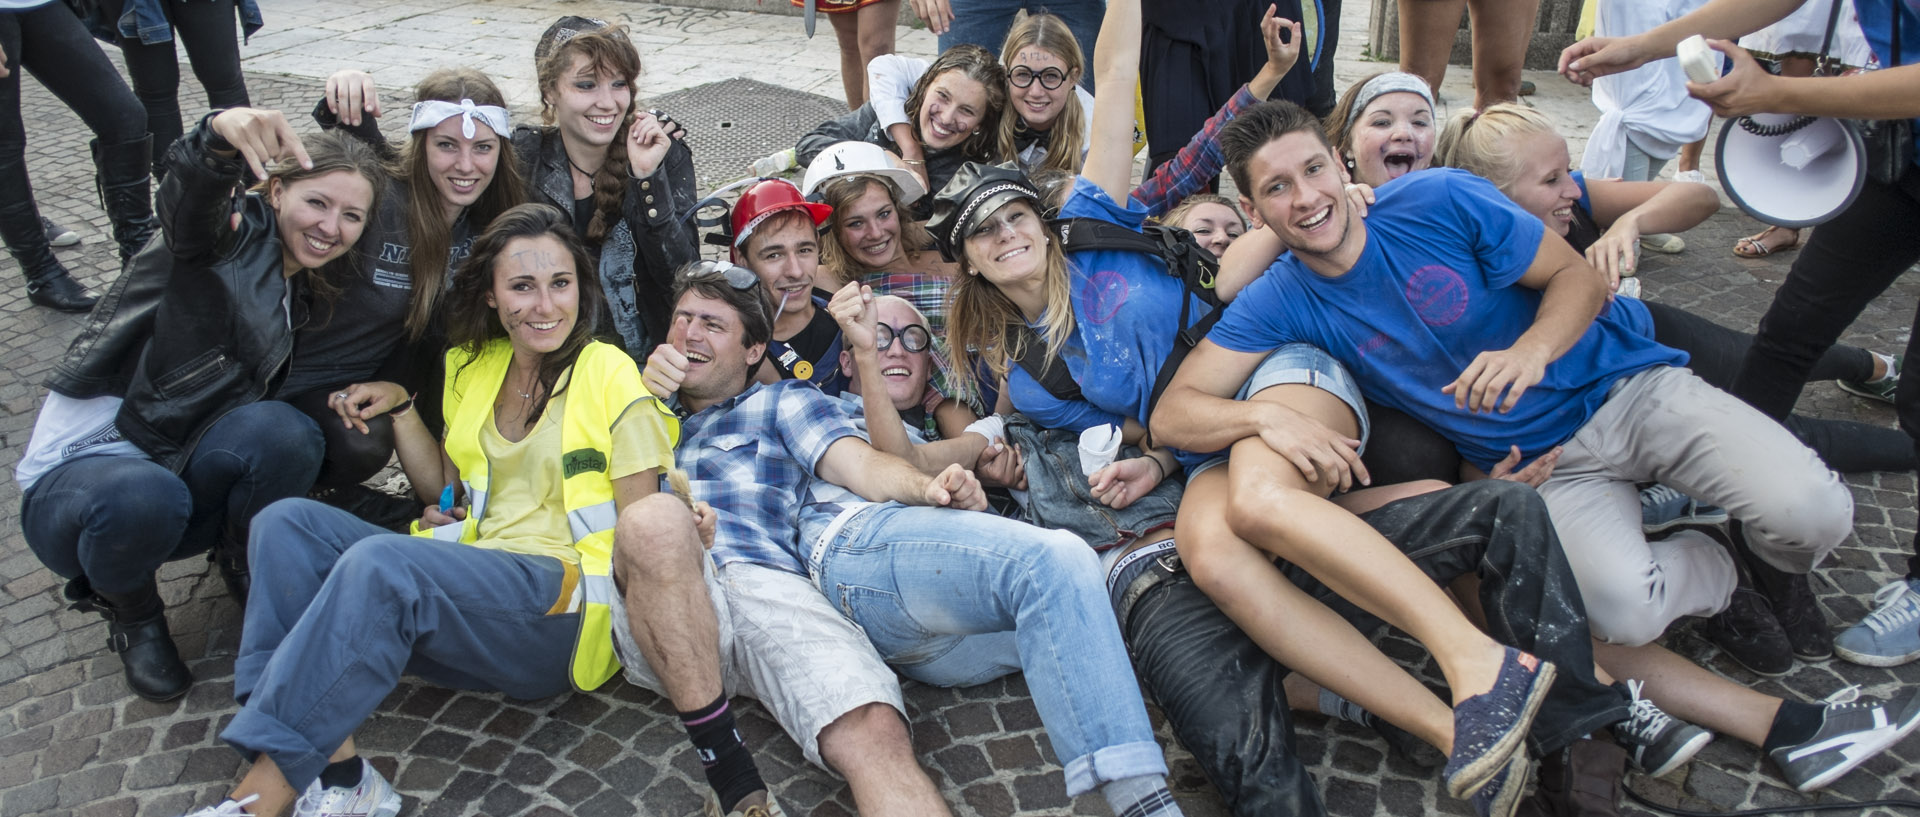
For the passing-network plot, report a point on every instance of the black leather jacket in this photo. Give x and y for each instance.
(640, 254)
(196, 326)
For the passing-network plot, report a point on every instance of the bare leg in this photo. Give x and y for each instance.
(265, 781)
(660, 565)
(1501, 29)
(1426, 37)
(1294, 628)
(876, 24)
(871, 748)
(1689, 692)
(1690, 155)
(1274, 508)
(853, 72)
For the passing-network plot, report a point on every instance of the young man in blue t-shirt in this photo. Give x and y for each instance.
(1450, 303)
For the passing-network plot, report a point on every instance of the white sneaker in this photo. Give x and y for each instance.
(374, 797)
(226, 808)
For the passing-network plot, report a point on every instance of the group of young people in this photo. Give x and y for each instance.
(957, 406)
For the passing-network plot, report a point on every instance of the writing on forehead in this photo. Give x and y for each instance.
(535, 260)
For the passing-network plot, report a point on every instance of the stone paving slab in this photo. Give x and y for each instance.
(74, 741)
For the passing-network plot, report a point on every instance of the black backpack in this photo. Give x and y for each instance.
(1185, 259)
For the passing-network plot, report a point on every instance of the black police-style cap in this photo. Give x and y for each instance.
(974, 193)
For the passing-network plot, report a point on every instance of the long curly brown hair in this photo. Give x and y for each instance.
(471, 323)
(607, 50)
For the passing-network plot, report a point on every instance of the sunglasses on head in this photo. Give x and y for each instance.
(1022, 77)
(736, 276)
(914, 336)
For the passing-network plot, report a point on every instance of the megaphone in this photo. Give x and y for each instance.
(1790, 171)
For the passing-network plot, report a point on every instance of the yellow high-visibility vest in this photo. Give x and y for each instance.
(603, 384)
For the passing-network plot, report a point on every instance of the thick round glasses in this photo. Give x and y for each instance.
(1023, 76)
(914, 336)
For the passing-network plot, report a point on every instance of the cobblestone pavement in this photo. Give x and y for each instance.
(74, 741)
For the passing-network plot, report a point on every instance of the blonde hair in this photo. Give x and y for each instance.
(980, 319)
(840, 194)
(1178, 214)
(1482, 142)
(1067, 139)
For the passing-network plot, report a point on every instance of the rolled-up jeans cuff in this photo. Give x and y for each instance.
(1087, 772)
(252, 733)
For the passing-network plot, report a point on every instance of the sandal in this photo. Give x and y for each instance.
(1752, 247)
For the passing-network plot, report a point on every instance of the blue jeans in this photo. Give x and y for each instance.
(985, 22)
(115, 520)
(955, 598)
(341, 608)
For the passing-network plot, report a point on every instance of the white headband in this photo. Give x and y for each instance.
(1392, 82)
(435, 111)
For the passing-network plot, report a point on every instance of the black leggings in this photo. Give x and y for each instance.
(208, 30)
(52, 45)
(1846, 265)
(351, 457)
(1715, 352)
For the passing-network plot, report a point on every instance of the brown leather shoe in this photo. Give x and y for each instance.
(1582, 780)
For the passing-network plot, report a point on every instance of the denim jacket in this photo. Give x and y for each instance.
(147, 20)
(1058, 496)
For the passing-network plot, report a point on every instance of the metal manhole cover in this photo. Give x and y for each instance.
(732, 122)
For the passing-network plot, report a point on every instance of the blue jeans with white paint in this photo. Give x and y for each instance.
(955, 598)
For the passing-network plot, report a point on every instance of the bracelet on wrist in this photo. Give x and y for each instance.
(405, 407)
(1156, 463)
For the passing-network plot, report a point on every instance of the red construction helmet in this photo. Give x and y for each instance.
(764, 199)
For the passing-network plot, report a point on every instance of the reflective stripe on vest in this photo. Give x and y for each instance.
(599, 378)
(590, 520)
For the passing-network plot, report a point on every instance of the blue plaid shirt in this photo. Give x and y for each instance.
(752, 458)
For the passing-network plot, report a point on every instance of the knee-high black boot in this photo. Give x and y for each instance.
(137, 631)
(48, 283)
(126, 191)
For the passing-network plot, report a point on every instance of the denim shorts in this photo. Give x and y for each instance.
(1301, 363)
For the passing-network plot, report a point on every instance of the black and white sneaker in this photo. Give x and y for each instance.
(1656, 742)
(1852, 730)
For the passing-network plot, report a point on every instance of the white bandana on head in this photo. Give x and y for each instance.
(435, 111)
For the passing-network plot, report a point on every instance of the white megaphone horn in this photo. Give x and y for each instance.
(1790, 171)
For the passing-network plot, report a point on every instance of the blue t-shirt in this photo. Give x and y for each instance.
(1435, 285)
(1126, 310)
(1876, 22)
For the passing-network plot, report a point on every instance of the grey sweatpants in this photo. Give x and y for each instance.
(1667, 425)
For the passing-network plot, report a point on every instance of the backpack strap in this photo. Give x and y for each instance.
(1033, 358)
(1185, 259)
